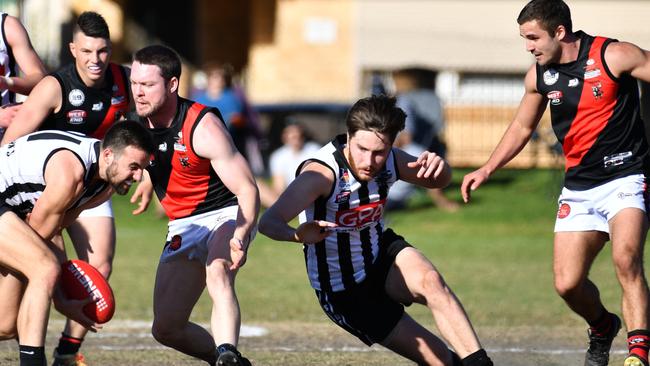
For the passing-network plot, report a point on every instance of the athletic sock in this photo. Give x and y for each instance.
(32, 356)
(68, 345)
(638, 342)
(602, 326)
(478, 358)
(455, 359)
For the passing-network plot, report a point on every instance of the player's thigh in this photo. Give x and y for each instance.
(573, 254)
(22, 249)
(178, 286)
(628, 229)
(219, 241)
(93, 238)
(407, 276)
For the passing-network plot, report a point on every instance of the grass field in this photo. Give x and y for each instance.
(495, 253)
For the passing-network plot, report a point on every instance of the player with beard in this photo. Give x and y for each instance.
(209, 194)
(363, 272)
(46, 179)
(86, 96)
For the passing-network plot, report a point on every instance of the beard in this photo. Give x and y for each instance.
(120, 187)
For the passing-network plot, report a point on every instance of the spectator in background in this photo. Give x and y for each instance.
(285, 160)
(425, 124)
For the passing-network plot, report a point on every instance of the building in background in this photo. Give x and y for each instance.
(311, 53)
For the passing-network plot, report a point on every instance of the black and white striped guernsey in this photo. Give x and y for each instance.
(343, 259)
(23, 162)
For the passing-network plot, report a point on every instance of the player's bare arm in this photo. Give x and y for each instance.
(212, 141)
(314, 181)
(517, 135)
(426, 170)
(28, 61)
(43, 100)
(627, 58)
(64, 184)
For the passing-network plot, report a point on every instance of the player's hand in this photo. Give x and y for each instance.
(311, 232)
(238, 253)
(7, 114)
(429, 165)
(142, 193)
(471, 182)
(73, 309)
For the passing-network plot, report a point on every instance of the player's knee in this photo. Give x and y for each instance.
(628, 266)
(219, 271)
(434, 286)
(44, 273)
(163, 332)
(104, 267)
(566, 287)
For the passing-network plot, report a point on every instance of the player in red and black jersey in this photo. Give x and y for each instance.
(87, 96)
(590, 84)
(208, 191)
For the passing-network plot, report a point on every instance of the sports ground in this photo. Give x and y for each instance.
(495, 254)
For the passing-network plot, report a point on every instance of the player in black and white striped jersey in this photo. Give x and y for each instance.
(46, 179)
(364, 273)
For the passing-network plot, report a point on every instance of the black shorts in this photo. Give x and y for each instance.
(366, 311)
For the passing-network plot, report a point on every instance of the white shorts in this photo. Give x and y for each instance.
(592, 209)
(188, 237)
(103, 210)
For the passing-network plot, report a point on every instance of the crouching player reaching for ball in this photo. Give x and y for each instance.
(46, 179)
(364, 273)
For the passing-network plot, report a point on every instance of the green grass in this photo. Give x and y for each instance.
(495, 253)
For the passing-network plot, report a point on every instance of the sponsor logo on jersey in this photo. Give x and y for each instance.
(563, 211)
(98, 106)
(76, 97)
(162, 147)
(590, 74)
(343, 196)
(573, 83)
(555, 97)
(590, 62)
(117, 99)
(362, 216)
(180, 147)
(76, 116)
(551, 76)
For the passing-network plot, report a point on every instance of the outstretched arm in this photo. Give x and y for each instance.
(313, 182)
(517, 135)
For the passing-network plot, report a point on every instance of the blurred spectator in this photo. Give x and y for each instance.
(425, 124)
(285, 160)
(222, 92)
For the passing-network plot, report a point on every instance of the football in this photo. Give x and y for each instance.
(79, 280)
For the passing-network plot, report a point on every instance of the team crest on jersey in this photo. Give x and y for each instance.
(597, 90)
(551, 76)
(185, 161)
(555, 97)
(344, 181)
(98, 106)
(76, 117)
(76, 97)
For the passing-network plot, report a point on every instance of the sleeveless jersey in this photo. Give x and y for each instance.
(7, 62)
(90, 111)
(23, 162)
(185, 183)
(344, 257)
(595, 116)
